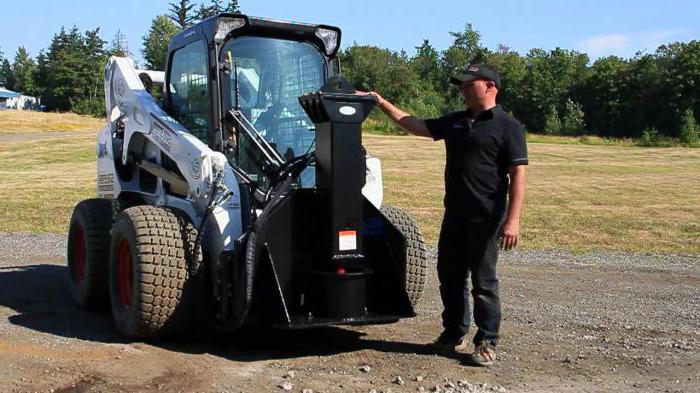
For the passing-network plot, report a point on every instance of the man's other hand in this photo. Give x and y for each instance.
(510, 231)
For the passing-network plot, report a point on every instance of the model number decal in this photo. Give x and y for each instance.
(161, 136)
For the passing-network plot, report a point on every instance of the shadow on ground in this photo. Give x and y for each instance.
(40, 297)
(39, 294)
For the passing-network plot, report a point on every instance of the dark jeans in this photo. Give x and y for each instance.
(460, 255)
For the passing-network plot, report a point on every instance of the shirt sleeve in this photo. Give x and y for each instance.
(438, 126)
(516, 147)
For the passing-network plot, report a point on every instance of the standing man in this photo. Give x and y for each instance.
(486, 158)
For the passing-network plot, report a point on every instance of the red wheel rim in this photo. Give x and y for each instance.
(78, 266)
(124, 274)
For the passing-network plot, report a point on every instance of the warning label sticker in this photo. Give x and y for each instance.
(347, 240)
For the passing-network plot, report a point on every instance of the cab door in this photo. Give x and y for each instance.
(188, 89)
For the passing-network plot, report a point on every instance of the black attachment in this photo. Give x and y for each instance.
(340, 162)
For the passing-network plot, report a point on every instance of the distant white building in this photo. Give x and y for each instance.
(13, 100)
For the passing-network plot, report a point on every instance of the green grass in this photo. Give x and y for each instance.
(579, 197)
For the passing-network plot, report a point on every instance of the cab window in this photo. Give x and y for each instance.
(269, 74)
(189, 89)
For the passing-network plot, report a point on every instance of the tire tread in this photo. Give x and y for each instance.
(416, 256)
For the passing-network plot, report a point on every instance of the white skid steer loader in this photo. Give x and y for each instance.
(244, 196)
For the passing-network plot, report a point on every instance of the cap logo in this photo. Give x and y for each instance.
(473, 69)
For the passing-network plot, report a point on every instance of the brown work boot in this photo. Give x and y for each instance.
(484, 354)
(448, 344)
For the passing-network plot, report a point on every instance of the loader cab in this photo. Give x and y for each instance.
(255, 68)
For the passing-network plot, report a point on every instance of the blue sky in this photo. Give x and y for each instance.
(595, 27)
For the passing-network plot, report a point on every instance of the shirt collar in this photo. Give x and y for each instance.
(485, 115)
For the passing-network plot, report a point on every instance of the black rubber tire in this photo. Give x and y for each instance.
(88, 252)
(163, 274)
(416, 257)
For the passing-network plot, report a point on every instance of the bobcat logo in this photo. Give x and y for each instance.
(195, 168)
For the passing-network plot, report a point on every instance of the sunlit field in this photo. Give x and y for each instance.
(579, 197)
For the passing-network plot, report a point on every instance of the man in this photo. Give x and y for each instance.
(486, 158)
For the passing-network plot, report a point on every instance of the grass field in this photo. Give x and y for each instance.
(579, 197)
(15, 122)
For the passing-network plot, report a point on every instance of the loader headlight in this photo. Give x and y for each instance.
(330, 38)
(227, 25)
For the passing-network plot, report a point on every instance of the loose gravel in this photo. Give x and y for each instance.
(602, 321)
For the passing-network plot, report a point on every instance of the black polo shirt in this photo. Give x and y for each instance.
(479, 154)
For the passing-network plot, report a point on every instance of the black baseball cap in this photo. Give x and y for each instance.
(476, 71)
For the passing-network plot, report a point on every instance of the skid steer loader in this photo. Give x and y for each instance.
(244, 196)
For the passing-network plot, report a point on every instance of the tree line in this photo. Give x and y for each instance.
(651, 95)
(559, 91)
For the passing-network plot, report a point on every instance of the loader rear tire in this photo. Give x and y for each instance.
(416, 258)
(153, 275)
(88, 252)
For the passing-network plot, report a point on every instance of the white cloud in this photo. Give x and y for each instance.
(652, 40)
(627, 45)
(604, 45)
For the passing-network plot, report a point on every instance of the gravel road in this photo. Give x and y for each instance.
(600, 322)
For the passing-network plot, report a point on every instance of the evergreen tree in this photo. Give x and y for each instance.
(6, 75)
(205, 11)
(69, 76)
(23, 72)
(181, 13)
(215, 7)
(41, 73)
(233, 7)
(155, 43)
(2, 74)
(93, 73)
(64, 62)
(120, 46)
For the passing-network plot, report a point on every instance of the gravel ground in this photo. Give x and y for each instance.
(599, 322)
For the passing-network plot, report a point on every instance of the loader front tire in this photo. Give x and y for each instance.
(152, 272)
(416, 258)
(88, 252)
